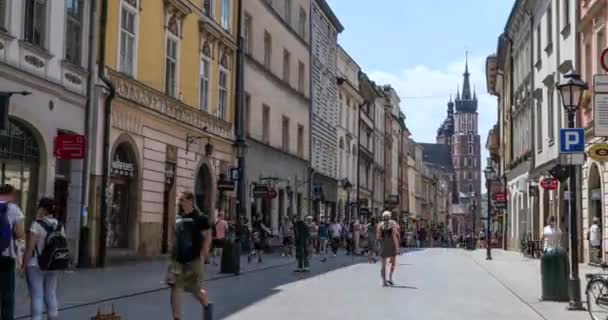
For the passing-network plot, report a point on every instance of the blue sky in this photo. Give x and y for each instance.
(419, 48)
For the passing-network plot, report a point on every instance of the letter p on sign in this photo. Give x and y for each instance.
(572, 140)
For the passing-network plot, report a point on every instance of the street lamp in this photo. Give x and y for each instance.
(490, 175)
(571, 89)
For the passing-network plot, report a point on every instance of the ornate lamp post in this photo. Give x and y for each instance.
(571, 89)
(490, 175)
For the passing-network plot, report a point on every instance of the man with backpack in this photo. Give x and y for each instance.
(12, 241)
(192, 242)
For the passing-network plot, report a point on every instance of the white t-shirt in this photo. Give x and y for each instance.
(336, 230)
(15, 216)
(41, 233)
(594, 235)
(552, 236)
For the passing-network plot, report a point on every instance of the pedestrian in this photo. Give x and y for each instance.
(313, 233)
(220, 231)
(323, 239)
(335, 230)
(259, 236)
(594, 235)
(551, 235)
(302, 237)
(192, 242)
(388, 235)
(372, 240)
(357, 236)
(41, 267)
(12, 243)
(287, 235)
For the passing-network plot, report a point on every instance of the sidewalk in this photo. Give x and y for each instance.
(521, 276)
(92, 286)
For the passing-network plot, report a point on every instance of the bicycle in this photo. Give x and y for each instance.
(597, 294)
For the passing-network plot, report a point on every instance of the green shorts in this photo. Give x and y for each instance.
(185, 276)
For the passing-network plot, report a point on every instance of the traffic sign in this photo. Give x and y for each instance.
(599, 152)
(571, 140)
(70, 146)
(549, 183)
(604, 59)
(499, 197)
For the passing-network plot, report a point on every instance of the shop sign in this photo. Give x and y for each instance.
(122, 169)
(70, 146)
(599, 152)
(260, 190)
(549, 183)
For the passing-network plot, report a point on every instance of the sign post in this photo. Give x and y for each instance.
(70, 146)
(600, 100)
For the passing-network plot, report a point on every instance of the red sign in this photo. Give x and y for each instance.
(70, 146)
(272, 193)
(499, 197)
(549, 183)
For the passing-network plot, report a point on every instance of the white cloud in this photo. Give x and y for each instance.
(425, 92)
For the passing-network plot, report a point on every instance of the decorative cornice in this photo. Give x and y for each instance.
(179, 7)
(153, 100)
(212, 30)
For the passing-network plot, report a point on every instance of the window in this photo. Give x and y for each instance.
(127, 41)
(300, 140)
(267, 49)
(35, 22)
(470, 187)
(288, 11)
(550, 116)
(73, 42)
(223, 89)
(470, 138)
(208, 7)
(469, 175)
(347, 111)
(549, 26)
(247, 112)
(301, 75)
(302, 23)
(204, 79)
(538, 43)
(247, 33)
(3, 15)
(566, 11)
(286, 65)
(539, 126)
(225, 20)
(265, 123)
(285, 131)
(171, 67)
(601, 44)
(470, 149)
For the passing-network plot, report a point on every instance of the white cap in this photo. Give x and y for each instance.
(386, 214)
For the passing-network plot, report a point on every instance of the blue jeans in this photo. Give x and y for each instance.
(7, 288)
(43, 287)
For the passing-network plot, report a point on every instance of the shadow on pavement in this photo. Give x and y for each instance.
(402, 287)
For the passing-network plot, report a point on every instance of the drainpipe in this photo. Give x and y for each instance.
(106, 134)
(311, 169)
(84, 233)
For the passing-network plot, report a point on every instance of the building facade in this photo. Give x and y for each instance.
(379, 172)
(44, 51)
(365, 191)
(392, 138)
(592, 35)
(519, 113)
(171, 126)
(553, 56)
(277, 104)
(325, 28)
(350, 101)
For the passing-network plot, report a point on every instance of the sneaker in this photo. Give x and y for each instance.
(298, 270)
(307, 269)
(323, 259)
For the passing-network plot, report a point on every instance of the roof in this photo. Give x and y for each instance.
(330, 15)
(438, 154)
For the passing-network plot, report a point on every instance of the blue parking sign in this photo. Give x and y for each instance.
(572, 140)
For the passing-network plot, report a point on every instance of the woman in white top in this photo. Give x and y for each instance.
(552, 235)
(42, 285)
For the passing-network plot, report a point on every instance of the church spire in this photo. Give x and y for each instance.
(457, 92)
(466, 86)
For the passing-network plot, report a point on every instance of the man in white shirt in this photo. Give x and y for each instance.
(551, 234)
(595, 241)
(12, 242)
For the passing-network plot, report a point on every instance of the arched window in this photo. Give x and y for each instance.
(223, 81)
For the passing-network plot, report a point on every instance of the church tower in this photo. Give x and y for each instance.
(466, 149)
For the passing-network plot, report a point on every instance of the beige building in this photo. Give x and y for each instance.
(349, 102)
(277, 99)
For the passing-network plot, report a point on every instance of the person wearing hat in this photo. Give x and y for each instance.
(388, 236)
(595, 240)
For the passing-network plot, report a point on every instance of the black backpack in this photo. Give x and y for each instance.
(55, 255)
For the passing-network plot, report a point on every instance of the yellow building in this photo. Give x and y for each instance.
(172, 63)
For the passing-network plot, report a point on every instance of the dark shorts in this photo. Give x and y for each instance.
(287, 241)
(219, 243)
(258, 246)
